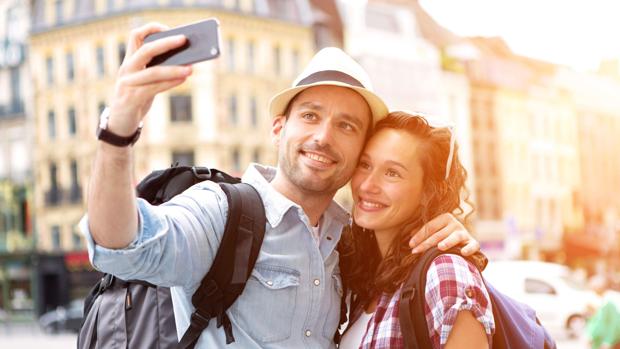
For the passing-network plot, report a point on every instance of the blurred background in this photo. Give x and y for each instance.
(533, 88)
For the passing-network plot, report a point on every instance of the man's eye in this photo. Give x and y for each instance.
(347, 126)
(308, 116)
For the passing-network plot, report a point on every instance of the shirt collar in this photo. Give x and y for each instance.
(276, 204)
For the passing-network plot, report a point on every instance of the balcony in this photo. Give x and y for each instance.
(12, 110)
(53, 197)
(58, 196)
(75, 194)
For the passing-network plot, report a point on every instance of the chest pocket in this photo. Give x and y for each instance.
(333, 314)
(266, 307)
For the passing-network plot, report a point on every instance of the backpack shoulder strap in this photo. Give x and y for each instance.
(411, 308)
(233, 263)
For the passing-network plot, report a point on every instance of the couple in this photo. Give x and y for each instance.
(328, 128)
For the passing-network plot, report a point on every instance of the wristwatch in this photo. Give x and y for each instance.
(111, 138)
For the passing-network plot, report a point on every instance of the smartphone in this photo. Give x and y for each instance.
(203, 43)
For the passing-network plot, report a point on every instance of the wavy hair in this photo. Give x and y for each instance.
(364, 271)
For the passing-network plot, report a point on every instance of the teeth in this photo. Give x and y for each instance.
(319, 158)
(369, 204)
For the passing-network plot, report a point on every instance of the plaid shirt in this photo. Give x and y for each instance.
(452, 285)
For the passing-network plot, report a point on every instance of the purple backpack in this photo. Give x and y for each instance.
(516, 324)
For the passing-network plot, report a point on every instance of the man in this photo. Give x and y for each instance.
(292, 299)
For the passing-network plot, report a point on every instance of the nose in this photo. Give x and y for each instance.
(370, 183)
(323, 135)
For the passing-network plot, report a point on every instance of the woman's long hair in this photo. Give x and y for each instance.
(364, 272)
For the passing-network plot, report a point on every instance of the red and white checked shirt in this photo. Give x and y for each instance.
(452, 284)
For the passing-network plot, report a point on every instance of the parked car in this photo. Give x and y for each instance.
(63, 319)
(560, 301)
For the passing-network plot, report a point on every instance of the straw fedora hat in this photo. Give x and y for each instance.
(331, 66)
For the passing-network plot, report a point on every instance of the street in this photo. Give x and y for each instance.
(30, 337)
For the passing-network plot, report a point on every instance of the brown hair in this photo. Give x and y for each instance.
(364, 272)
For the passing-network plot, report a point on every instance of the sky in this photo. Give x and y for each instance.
(577, 33)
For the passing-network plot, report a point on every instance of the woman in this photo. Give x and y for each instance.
(408, 173)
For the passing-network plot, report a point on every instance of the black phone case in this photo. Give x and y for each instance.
(202, 44)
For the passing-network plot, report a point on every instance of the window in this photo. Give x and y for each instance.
(77, 241)
(53, 195)
(295, 61)
(253, 112)
(15, 87)
(59, 8)
(232, 110)
(183, 158)
(49, 67)
(250, 62)
(277, 64)
(538, 287)
(230, 49)
(100, 62)
(51, 124)
(236, 160)
(72, 122)
(75, 181)
(38, 13)
(70, 68)
(56, 242)
(284, 9)
(53, 176)
(381, 19)
(180, 108)
(121, 52)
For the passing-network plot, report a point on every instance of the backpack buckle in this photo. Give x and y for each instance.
(199, 320)
(106, 282)
(202, 172)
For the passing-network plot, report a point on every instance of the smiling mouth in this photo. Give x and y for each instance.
(370, 205)
(318, 158)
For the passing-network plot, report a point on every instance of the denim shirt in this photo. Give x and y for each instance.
(291, 300)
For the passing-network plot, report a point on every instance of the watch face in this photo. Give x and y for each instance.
(103, 119)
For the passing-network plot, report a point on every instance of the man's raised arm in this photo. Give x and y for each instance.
(112, 208)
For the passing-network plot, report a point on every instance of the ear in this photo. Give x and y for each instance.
(277, 128)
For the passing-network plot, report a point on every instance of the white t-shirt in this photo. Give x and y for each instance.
(354, 335)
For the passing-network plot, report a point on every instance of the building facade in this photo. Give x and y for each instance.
(406, 68)
(524, 128)
(16, 138)
(218, 118)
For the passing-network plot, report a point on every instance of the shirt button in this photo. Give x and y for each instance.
(308, 333)
(317, 282)
(270, 283)
(469, 292)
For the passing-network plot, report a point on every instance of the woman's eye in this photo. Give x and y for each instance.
(364, 165)
(392, 173)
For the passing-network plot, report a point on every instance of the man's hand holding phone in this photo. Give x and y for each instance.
(136, 85)
(157, 59)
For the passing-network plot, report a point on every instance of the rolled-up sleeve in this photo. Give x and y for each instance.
(454, 285)
(176, 242)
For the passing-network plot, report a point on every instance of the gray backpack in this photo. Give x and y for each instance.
(136, 314)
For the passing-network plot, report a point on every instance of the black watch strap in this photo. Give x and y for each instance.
(114, 139)
(111, 138)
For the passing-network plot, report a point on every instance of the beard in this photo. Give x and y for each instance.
(304, 178)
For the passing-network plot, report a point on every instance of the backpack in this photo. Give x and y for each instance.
(516, 324)
(137, 314)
